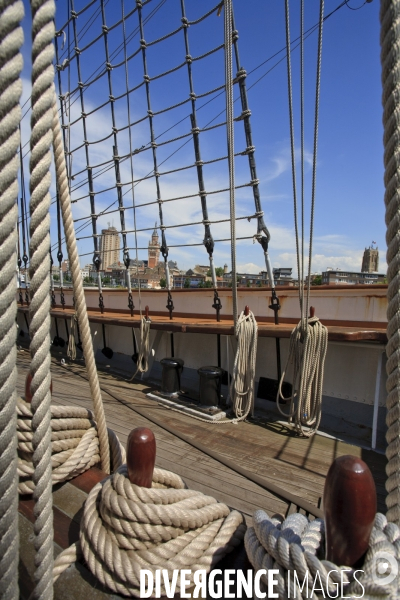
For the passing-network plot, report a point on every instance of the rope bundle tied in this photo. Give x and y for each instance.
(297, 544)
(126, 528)
(307, 352)
(244, 367)
(74, 444)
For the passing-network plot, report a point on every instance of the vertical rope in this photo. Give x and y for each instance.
(231, 150)
(79, 295)
(11, 39)
(43, 12)
(390, 60)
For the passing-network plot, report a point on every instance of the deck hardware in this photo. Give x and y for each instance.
(171, 376)
(141, 456)
(135, 354)
(210, 385)
(131, 306)
(350, 506)
(58, 341)
(108, 353)
(217, 305)
(170, 305)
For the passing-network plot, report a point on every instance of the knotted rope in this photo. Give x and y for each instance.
(307, 352)
(244, 366)
(71, 350)
(126, 528)
(297, 544)
(11, 39)
(390, 15)
(144, 351)
(74, 444)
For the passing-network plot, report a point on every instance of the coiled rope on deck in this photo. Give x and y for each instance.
(296, 545)
(11, 40)
(144, 349)
(126, 528)
(74, 444)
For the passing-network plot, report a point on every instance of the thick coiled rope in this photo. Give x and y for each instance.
(79, 294)
(71, 349)
(390, 59)
(244, 366)
(43, 13)
(74, 444)
(126, 528)
(307, 352)
(11, 40)
(297, 545)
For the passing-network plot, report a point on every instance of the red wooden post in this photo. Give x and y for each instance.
(28, 395)
(141, 456)
(146, 312)
(350, 508)
(312, 312)
(246, 311)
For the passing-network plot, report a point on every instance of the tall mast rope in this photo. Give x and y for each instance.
(208, 239)
(59, 252)
(242, 384)
(11, 40)
(389, 17)
(96, 255)
(309, 339)
(164, 247)
(24, 221)
(116, 157)
(142, 362)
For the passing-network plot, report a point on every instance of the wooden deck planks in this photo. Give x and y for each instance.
(271, 451)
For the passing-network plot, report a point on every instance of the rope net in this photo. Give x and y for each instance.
(140, 145)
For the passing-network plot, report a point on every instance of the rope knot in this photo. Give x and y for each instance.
(185, 22)
(143, 43)
(192, 96)
(195, 130)
(235, 35)
(189, 59)
(109, 66)
(146, 78)
(104, 28)
(199, 163)
(248, 150)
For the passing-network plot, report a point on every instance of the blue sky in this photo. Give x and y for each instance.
(349, 192)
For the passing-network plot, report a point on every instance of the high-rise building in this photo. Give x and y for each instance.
(154, 249)
(370, 261)
(110, 245)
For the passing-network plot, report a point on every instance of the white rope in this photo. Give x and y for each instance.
(11, 39)
(43, 13)
(144, 351)
(244, 366)
(293, 545)
(390, 15)
(307, 355)
(74, 444)
(79, 295)
(71, 350)
(126, 528)
(231, 147)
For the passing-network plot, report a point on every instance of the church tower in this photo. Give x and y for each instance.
(154, 249)
(370, 262)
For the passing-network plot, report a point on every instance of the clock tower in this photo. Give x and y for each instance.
(154, 249)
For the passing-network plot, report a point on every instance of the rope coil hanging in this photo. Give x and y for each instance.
(244, 367)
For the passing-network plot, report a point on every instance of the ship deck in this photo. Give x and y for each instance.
(270, 450)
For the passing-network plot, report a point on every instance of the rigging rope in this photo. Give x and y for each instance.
(144, 351)
(228, 16)
(11, 40)
(389, 16)
(309, 339)
(244, 367)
